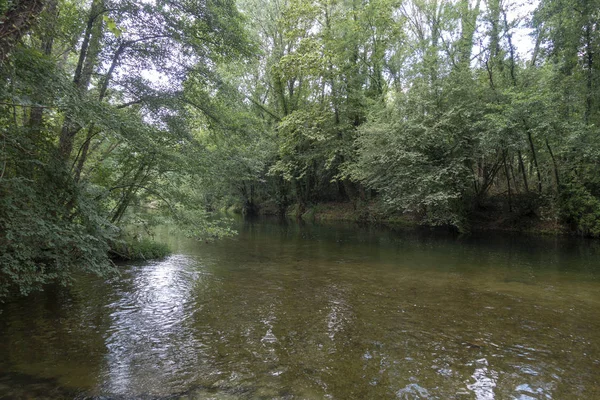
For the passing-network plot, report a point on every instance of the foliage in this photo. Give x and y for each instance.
(143, 249)
(581, 208)
(427, 107)
(41, 243)
(97, 121)
(111, 109)
(423, 162)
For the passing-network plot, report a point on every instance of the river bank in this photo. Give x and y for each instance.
(494, 220)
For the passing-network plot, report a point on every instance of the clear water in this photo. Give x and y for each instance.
(289, 311)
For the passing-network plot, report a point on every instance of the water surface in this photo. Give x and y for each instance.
(289, 311)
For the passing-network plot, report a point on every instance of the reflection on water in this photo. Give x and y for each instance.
(485, 381)
(147, 319)
(310, 312)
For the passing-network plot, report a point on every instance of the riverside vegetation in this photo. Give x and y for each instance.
(437, 110)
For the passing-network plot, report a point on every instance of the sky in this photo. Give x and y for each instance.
(521, 36)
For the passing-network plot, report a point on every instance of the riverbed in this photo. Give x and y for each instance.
(287, 310)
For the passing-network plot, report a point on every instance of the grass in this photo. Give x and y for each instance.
(134, 249)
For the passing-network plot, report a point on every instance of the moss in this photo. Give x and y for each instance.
(133, 249)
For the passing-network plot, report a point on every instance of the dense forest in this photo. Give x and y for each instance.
(461, 113)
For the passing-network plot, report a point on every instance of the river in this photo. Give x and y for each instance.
(309, 311)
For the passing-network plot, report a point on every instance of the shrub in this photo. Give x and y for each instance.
(134, 249)
(580, 208)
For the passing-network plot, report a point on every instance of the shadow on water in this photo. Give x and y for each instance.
(20, 386)
(288, 310)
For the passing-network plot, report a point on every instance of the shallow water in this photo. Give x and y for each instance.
(319, 311)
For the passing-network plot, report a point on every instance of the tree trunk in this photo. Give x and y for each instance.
(36, 116)
(508, 185)
(126, 199)
(535, 163)
(16, 22)
(589, 58)
(468, 24)
(83, 153)
(556, 177)
(88, 57)
(522, 166)
(511, 49)
(513, 176)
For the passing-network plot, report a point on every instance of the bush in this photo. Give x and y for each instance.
(580, 208)
(42, 241)
(134, 249)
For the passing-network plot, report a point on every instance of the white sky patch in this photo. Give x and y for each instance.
(522, 38)
(155, 76)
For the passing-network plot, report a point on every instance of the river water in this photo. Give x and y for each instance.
(294, 311)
